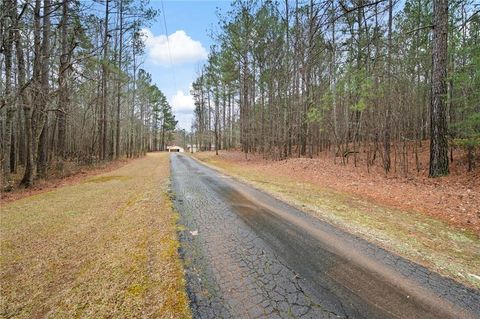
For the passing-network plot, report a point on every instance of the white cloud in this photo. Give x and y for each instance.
(183, 107)
(179, 48)
(184, 121)
(182, 103)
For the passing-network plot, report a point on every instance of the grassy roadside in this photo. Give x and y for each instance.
(71, 174)
(448, 250)
(105, 247)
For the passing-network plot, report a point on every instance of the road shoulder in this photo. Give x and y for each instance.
(104, 247)
(445, 249)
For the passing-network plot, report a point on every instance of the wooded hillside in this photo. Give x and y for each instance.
(360, 79)
(72, 87)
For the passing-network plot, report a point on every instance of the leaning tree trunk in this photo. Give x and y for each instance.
(438, 116)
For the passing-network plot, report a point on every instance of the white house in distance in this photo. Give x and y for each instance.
(192, 148)
(175, 148)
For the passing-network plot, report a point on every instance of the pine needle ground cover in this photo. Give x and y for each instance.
(105, 247)
(432, 242)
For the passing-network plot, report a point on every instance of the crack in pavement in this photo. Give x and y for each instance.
(249, 255)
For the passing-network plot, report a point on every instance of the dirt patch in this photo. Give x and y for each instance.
(104, 179)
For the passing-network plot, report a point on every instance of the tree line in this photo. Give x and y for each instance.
(370, 80)
(72, 87)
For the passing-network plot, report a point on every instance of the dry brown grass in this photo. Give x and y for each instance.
(71, 174)
(103, 248)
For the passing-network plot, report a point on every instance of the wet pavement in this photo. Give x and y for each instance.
(249, 255)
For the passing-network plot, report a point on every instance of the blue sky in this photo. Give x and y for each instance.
(174, 63)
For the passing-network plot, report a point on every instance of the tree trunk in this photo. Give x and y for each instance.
(132, 110)
(103, 115)
(42, 117)
(27, 180)
(63, 97)
(471, 157)
(31, 108)
(388, 110)
(10, 109)
(42, 152)
(438, 118)
(119, 85)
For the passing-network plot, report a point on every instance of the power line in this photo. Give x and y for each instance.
(168, 46)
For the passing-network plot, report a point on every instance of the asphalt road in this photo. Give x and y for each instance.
(249, 255)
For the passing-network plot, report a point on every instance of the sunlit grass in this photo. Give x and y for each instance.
(106, 247)
(450, 251)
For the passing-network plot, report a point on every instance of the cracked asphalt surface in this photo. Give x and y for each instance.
(249, 255)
